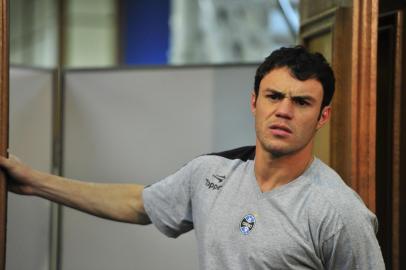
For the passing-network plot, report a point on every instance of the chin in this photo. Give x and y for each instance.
(279, 152)
(276, 151)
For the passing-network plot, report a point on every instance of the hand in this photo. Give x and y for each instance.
(21, 178)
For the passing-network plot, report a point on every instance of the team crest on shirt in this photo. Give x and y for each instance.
(247, 224)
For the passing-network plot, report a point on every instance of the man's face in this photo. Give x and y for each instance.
(287, 112)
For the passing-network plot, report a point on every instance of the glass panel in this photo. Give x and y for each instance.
(99, 33)
(33, 32)
(229, 31)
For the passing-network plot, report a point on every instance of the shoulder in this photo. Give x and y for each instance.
(237, 155)
(334, 192)
(333, 201)
(213, 163)
(343, 226)
(242, 153)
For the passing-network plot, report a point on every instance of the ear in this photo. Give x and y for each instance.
(253, 102)
(324, 117)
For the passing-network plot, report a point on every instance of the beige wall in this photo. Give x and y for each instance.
(321, 149)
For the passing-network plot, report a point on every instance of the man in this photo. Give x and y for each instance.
(269, 206)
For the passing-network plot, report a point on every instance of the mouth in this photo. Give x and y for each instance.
(280, 130)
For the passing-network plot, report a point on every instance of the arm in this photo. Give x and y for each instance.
(120, 202)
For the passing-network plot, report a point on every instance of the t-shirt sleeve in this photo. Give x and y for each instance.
(353, 246)
(168, 202)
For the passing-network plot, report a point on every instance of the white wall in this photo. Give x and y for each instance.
(139, 126)
(28, 218)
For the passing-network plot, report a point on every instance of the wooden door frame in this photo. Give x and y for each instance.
(4, 119)
(354, 59)
(363, 99)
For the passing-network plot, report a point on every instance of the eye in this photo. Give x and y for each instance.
(275, 96)
(301, 102)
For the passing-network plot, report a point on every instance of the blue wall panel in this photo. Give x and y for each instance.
(146, 34)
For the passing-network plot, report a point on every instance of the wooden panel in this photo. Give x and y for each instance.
(401, 170)
(323, 44)
(396, 200)
(311, 8)
(4, 69)
(391, 141)
(354, 47)
(316, 35)
(320, 33)
(340, 140)
(386, 6)
(385, 124)
(363, 99)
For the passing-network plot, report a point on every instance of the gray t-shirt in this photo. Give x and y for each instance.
(314, 222)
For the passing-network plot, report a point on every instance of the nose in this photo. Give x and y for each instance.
(285, 109)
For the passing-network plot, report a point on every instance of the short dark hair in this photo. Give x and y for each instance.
(303, 66)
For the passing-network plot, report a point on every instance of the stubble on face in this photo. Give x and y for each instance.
(278, 150)
(301, 121)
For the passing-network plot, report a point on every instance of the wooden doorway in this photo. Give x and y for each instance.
(4, 70)
(391, 143)
(367, 50)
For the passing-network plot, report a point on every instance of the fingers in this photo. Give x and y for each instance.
(15, 158)
(14, 188)
(9, 162)
(12, 167)
(16, 174)
(4, 162)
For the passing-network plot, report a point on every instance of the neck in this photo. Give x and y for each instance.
(271, 171)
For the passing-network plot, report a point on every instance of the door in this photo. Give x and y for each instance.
(3, 123)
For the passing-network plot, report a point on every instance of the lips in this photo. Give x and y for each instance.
(281, 127)
(280, 130)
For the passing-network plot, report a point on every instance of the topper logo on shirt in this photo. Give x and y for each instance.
(214, 186)
(247, 224)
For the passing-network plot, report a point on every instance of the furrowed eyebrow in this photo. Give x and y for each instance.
(307, 98)
(304, 98)
(273, 91)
